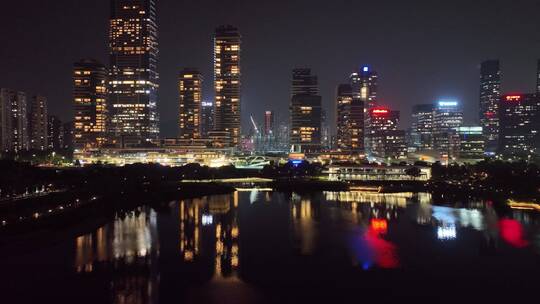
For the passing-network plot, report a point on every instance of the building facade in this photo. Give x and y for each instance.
(364, 86)
(38, 124)
(14, 124)
(55, 133)
(305, 111)
(519, 125)
(384, 140)
(227, 82)
(90, 104)
(422, 127)
(349, 120)
(471, 143)
(190, 88)
(133, 76)
(207, 118)
(447, 117)
(490, 93)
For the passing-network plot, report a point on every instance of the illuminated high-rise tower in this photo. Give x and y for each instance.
(364, 86)
(490, 93)
(133, 72)
(227, 83)
(305, 111)
(349, 120)
(39, 124)
(90, 104)
(14, 133)
(190, 88)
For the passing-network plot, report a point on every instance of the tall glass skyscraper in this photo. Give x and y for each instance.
(133, 72)
(364, 86)
(227, 83)
(349, 120)
(490, 93)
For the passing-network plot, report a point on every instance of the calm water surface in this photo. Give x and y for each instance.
(269, 247)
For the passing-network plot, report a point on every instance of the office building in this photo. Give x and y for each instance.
(349, 120)
(38, 124)
(490, 92)
(67, 138)
(190, 88)
(268, 123)
(305, 111)
(447, 117)
(471, 143)
(421, 136)
(519, 125)
(133, 76)
(384, 140)
(227, 82)
(90, 104)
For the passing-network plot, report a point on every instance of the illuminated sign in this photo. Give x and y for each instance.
(380, 111)
(365, 69)
(513, 98)
(448, 103)
(207, 219)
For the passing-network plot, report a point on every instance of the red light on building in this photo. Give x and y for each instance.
(380, 111)
(513, 97)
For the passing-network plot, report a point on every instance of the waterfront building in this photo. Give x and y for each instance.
(371, 172)
(447, 117)
(55, 133)
(490, 93)
(38, 123)
(349, 120)
(14, 133)
(519, 125)
(90, 104)
(471, 143)
(306, 111)
(421, 136)
(190, 88)
(133, 76)
(227, 82)
(384, 140)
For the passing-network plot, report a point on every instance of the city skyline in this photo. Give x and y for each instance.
(450, 68)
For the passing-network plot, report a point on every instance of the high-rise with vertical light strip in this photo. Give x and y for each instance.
(490, 93)
(227, 83)
(133, 72)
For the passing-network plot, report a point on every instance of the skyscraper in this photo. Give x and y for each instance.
(133, 72)
(190, 88)
(14, 121)
(384, 140)
(447, 117)
(38, 124)
(520, 125)
(90, 104)
(490, 92)
(349, 120)
(227, 82)
(305, 111)
(55, 133)
(422, 127)
(364, 86)
(207, 118)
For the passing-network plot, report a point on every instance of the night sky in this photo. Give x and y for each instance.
(423, 50)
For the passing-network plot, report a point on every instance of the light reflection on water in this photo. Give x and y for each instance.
(211, 226)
